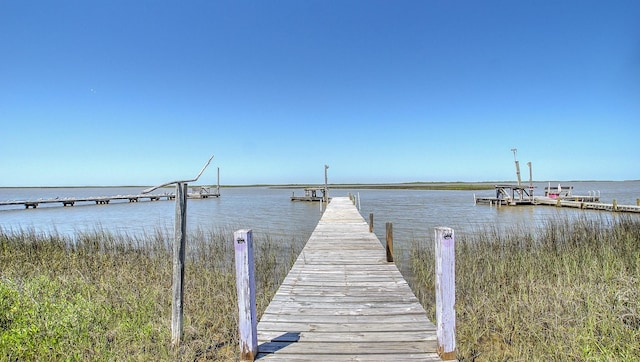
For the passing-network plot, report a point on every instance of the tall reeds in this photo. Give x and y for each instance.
(568, 290)
(105, 296)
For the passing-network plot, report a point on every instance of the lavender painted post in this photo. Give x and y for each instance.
(445, 293)
(245, 282)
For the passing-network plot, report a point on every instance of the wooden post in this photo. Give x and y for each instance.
(218, 185)
(637, 202)
(245, 283)
(445, 293)
(326, 185)
(615, 205)
(389, 242)
(371, 222)
(179, 243)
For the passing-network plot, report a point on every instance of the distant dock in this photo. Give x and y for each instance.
(312, 194)
(515, 195)
(196, 193)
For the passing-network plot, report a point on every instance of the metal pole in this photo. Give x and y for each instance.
(515, 150)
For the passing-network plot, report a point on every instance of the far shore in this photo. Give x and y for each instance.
(419, 185)
(393, 186)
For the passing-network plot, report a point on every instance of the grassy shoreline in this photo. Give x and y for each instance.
(108, 297)
(569, 290)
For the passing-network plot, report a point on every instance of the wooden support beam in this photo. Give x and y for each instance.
(389, 227)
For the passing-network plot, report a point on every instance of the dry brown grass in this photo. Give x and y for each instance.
(567, 291)
(108, 297)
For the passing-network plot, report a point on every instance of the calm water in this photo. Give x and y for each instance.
(414, 214)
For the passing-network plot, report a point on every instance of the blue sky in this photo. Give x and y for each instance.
(143, 92)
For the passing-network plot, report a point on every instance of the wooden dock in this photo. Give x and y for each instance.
(586, 205)
(342, 301)
(512, 195)
(312, 194)
(104, 200)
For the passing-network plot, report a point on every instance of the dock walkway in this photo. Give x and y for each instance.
(342, 301)
(105, 200)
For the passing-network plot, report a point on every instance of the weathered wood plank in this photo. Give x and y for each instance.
(330, 327)
(341, 358)
(344, 309)
(342, 300)
(335, 337)
(352, 348)
(375, 299)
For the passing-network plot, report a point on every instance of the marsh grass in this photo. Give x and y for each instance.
(103, 296)
(567, 291)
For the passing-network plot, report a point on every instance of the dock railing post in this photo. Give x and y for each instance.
(371, 221)
(445, 293)
(179, 245)
(389, 227)
(246, 287)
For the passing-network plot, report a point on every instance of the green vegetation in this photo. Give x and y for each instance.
(568, 291)
(108, 297)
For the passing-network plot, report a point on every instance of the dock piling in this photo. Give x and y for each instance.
(389, 242)
(445, 293)
(245, 284)
(179, 246)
